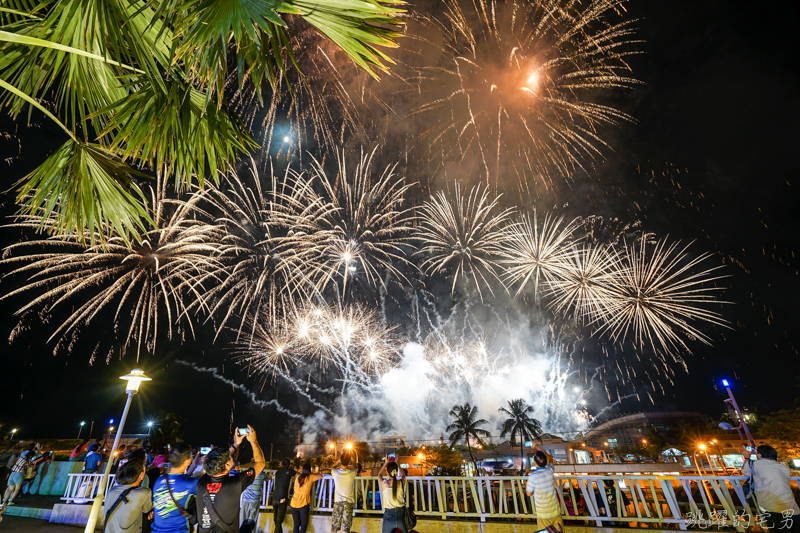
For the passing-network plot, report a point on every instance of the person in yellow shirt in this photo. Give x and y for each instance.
(301, 499)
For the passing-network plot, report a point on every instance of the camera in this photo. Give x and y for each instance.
(244, 431)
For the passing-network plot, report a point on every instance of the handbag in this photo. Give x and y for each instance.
(409, 517)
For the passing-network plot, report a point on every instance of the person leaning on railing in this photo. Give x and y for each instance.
(542, 486)
(772, 489)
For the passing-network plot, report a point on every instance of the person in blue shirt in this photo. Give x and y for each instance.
(174, 503)
(93, 460)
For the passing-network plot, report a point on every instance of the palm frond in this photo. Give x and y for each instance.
(89, 188)
(176, 131)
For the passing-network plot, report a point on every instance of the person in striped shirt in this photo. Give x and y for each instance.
(542, 486)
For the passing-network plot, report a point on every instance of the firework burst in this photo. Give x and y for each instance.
(581, 287)
(267, 242)
(367, 230)
(348, 339)
(515, 85)
(535, 252)
(463, 234)
(143, 284)
(656, 293)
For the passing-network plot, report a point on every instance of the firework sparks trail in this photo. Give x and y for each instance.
(463, 234)
(241, 388)
(516, 84)
(139, 282)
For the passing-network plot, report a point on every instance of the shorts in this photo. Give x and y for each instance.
(557, 522)
(342, 519)
(15, 479)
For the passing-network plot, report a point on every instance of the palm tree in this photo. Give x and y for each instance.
(138, 86)
(465, 427)
(520, 424)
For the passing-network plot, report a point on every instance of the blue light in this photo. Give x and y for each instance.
(725, 383)
(111, 421)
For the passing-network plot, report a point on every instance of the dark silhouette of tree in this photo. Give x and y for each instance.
(466, 426)
(167, 429)
(520, 424)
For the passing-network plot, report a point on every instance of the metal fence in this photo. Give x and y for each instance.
(663, 501)
(672, 502)
(82, 488)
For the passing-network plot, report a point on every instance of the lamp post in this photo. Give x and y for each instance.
(13, 432)
(81, 429)
(149, 427)
(742, 424)
(133, 380)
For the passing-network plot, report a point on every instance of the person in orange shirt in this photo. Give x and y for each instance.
(301, 499)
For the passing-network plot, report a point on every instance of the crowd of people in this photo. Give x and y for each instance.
(181, 490)
(207, 491)
(20, 469)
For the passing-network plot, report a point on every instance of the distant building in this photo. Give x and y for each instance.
(629, 430)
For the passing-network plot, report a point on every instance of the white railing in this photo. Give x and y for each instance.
(82, 488)
(681, 501)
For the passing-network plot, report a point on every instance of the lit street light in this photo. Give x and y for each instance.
(13, 432)
(132, 380)
(81, 429)
(742, 419)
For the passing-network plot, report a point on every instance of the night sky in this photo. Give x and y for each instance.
(711, 159)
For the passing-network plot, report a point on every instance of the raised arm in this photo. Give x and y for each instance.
(258, 455)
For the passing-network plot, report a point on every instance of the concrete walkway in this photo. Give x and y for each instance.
(33, 525)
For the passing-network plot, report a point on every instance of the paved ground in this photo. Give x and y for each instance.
(42, 502)
(34, 525)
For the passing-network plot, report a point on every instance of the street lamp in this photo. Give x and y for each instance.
(81, 429)
(13, 432)
(132, 382)
(149, 427)
(742, 424)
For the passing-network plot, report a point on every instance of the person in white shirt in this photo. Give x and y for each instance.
(344, 474)
(392, 497)
(773, 491)
(542, 486)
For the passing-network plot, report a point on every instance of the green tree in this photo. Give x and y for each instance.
(376, 457)
(466, 426)
(782, 430)
(139, 86)
(520, 424)
(441, 461)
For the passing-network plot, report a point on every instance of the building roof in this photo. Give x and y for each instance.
(640, 419)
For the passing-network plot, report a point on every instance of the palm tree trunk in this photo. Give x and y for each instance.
(474, 464)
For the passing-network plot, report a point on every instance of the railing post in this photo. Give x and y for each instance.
(672, 501)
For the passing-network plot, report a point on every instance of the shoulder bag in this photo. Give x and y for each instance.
(122, 498)
(212, 512)
(181, 509)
